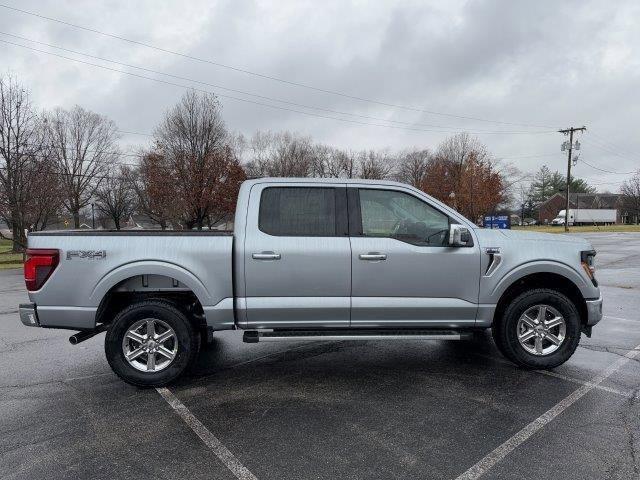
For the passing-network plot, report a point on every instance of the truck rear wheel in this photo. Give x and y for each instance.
(151, 343)
(539, 329)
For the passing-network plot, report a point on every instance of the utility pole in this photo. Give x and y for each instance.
(569, 146)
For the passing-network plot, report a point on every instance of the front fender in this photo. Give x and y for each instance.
(492, 293)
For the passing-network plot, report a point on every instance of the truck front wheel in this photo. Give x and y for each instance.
(539, 329)
(151, 343)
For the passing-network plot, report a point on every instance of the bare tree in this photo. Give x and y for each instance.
(630, 190)
(84, 148)
(46, 194)
(375, 165)
(115, 197)
(20, 142)
(282, 154)
(412, 166)
(196, 150)
(323, 162)
(155, 196)
(347, 161)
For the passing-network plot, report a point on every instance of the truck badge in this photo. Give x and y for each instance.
(88, 254)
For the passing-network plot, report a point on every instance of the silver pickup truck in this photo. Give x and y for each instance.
(314, 260)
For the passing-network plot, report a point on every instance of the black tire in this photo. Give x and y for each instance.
(505, 333)
(187, 338)
(207, 340)
(497, 338)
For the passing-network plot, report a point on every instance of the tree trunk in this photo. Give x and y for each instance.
(116, 222)
(19, 240)
(76, 218)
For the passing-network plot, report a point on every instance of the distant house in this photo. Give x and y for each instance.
(551, 207)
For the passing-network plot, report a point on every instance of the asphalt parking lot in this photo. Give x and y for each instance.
(330, 410)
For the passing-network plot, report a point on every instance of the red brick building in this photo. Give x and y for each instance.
(549, 209)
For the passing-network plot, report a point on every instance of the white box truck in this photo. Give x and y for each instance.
(587, 216)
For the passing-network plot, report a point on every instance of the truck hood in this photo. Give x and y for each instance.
(489, 235)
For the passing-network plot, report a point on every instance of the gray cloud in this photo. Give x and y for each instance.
(546, 63)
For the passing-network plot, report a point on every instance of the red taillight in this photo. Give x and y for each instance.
(39, 265)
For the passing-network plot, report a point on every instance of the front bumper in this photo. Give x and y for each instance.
(28, 315)
(594, 311)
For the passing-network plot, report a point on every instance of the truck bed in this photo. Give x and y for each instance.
(110, 233)
(93, 263)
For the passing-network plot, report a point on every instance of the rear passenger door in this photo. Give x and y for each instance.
(297, 256)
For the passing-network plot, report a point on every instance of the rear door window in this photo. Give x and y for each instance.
(298, 211)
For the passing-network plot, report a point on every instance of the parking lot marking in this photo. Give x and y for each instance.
(210, 440)
(499, 453)
(550, 373)
(586, 382)
(620, 318)
(563, 377)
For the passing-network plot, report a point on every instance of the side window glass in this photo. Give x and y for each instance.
(394, 214)
(298, 211)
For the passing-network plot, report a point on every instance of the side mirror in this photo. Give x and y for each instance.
(459, 236)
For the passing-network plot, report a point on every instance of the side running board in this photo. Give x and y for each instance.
(255, 336)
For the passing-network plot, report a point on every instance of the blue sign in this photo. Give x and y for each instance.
(497, 221)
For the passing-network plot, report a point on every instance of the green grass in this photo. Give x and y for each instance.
(581, 228)
(7, 259)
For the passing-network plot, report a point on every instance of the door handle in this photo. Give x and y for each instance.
(266, 256)
(373, 256)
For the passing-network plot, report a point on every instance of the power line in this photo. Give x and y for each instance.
(263, 97)
(252, 101)
(270, 105)
(139, 155)
(126, 132)
(90, 150)
(608, 183)
(518, 157)
(606, 171)
(83, 175)
(610, 145)
(268, 77)
(591, 142)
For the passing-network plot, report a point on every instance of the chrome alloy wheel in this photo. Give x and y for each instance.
(150, 345)
(541, 330)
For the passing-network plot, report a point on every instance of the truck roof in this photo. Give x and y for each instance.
(359, 181)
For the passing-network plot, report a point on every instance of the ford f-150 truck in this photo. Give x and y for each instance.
(314, 259)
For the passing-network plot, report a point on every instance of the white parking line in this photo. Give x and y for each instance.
(551, 373)
(621, 319)
(490, 460)
(586, 382)
(210, 440)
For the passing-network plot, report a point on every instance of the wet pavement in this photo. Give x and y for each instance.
(343, 410)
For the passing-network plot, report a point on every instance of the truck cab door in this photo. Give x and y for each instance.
(297, 256)
(404, 273)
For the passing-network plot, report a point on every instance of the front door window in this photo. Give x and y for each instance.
(398, 215)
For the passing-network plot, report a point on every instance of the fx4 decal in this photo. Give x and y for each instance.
(88, 254)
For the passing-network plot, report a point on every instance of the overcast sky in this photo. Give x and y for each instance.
(545, 63)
